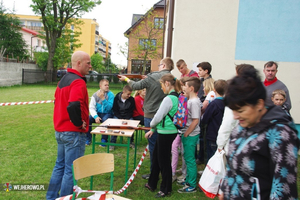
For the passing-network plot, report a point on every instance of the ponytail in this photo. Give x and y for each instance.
(173, 81)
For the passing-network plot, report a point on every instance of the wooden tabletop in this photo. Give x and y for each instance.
(116, 132)
(121, 122)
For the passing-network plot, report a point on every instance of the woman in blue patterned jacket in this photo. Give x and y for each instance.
(262, 155)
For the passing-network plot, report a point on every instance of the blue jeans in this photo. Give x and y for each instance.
(211, 148)
(70, 146)
(103, 116)
(151, 140)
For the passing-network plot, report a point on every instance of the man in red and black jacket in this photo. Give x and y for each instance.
(71, 117)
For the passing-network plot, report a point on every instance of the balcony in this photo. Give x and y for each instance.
(35, 28)
(97, 43)
(97, 32)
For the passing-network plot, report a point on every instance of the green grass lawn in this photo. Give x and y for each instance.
(28, 148)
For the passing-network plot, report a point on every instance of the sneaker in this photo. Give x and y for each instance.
(200, 172)
(103, 141)
(174, 178)
(146, 176)
(132, 145)
(182, 184)
(111, 148)
(160, 194)
(187, 189)
(181, 178)
(179, 170)
(87, 143)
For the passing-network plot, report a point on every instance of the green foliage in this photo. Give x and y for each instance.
(42, 59)
(67, 43)
(123, 50)
(10, 35)
(110, 67)
(55, 15)
(96, 62)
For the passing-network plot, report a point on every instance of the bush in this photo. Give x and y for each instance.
(41, 59)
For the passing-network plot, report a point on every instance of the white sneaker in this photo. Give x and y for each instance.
(174, 178)
(182, 177)
(178, 170)
(200, 172)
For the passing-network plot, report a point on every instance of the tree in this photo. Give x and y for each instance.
(109, 66)
(56, 15)
(123, 50)
(41, 59)
(96, 62)
(67, 43)
(149, 34)
(65, 46)
(10, 35)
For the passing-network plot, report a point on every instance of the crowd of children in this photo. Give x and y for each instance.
(209, 122)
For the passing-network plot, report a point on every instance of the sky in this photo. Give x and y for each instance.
(113, 16)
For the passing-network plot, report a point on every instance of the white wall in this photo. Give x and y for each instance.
(206, 31)
(11, 73)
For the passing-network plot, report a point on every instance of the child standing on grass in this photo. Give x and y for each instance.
(163, 124)
(190, 134)
(213, 117)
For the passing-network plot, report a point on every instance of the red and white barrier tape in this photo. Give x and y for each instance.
(97, 194)
(133, 174)
(25, 103)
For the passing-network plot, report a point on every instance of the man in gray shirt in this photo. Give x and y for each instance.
(271, 83)
(154, 96)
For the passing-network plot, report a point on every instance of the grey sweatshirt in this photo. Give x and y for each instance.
(154, 93)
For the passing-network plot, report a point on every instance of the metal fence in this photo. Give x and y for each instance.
(37, 76)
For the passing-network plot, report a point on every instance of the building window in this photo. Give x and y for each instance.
(137, 66)
(159, 23)
(39, 24)
(147, 44)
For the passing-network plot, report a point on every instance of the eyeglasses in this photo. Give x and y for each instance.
(159, 65)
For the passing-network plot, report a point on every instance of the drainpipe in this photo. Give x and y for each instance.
(170, 28)
(31, 46)
(164, 30)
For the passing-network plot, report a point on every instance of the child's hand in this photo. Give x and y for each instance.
(185, 134)
(148, 134)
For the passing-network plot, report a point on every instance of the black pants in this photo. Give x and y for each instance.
(201, 156)
(162, 163)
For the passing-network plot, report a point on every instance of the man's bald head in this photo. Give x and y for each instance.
(81, 62)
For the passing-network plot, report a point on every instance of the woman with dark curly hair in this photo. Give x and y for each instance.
(262, 155)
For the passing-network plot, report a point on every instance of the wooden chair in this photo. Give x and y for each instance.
(93, 164)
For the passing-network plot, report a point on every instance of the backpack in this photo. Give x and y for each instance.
(180, 117)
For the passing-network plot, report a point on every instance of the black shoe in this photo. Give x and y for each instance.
(146, 176)
(199, 162)
(132, 145)
(160, 194)
(148, 187)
